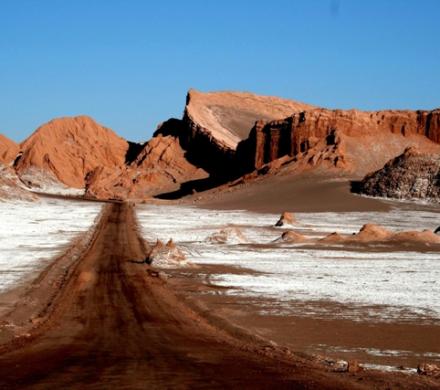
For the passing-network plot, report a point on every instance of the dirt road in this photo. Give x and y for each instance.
(114, 325)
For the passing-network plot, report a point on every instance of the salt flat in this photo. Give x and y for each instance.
(32, 233)
(377, 285)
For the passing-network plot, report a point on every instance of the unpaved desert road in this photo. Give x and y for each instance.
(116, 326)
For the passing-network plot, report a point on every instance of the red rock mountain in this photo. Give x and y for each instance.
(160, 167)
(69, 148)
(221, 136)
(352, 140)
(8, 150)
(214, 123)
(229, 116)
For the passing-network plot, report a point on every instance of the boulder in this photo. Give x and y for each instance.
(332, 237)
(414, 174)
(424, 237)
(354, 366)
(286, 218)
(293, 237)
(428, 369)
(229, 235)
(165, 255)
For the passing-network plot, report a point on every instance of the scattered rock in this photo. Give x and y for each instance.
(428, 369)
(339, 366)
(293, 237)
(166, 255)
(424, 237)
(332, 237)
(354, 367)
(286, 219)
(372, 232)
(229, 235)
(334, 365)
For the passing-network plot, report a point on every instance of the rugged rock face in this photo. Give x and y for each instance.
(228, 116)
(160, 167)
(353, 140)
(412, 175)
(222, 136)
(8, 150)
(214, 123)
(69, 148)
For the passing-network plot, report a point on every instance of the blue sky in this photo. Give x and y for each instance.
(129, 63)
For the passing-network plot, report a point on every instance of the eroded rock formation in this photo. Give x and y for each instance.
(214, 123)
(160, 167)
(221, 137)
(353, 140)
(411, 175)
(286, 218)
(69, 148)
(11, 187)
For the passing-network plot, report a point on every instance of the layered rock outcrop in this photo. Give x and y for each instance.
(222, 136)
(411, 175)
(8, 150)
(354, 140)
(214, 123)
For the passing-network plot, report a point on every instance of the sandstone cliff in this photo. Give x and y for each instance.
(412, 175)
(214, 123)
(353, 140)
(8, 150)
(222, 136)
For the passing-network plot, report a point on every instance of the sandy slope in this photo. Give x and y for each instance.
(110, 324)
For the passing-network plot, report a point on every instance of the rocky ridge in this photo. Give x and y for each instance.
(222, 136)
(160, 166)
(352, 140)
(68, 148)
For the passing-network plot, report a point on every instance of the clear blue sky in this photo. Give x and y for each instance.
(129, 63)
